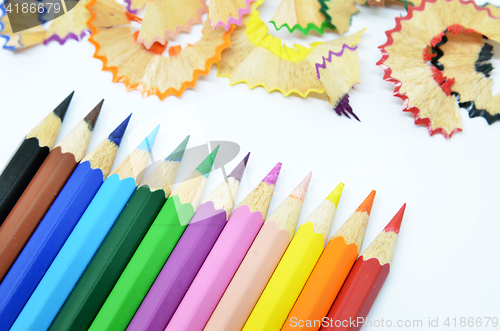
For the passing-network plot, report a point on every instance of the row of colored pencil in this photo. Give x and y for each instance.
(88, 251)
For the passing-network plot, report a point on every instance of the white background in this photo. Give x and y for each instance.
(446, 263)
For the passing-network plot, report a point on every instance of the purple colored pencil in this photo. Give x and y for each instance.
(188, 256)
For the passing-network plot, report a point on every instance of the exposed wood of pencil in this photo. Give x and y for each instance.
(77, 141)
(192, 188)
(46, 132)
(322, 217)
(286, 217)
(133, 166)
(353, 230)
(259, 199)
(223, 196)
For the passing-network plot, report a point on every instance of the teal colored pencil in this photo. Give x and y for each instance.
(81, 245)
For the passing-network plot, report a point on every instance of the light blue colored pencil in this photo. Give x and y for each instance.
(81, 245)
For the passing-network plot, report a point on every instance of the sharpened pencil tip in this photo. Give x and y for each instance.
(395, 224)
(366, 206)
(178, 153)
(117, 135)
(272, 176)
(334, 197)
(61, 110)
(237, 172)
(148, 143)
(206, 165)
(301, 190)
(91, 117)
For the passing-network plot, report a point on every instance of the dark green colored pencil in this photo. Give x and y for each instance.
(98, 280)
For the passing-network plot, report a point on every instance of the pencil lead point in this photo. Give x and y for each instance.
(178, 152)
(334, 197)
(206, 166)
(117, 134)
(366, 206)
(301, 190)
(395, 224)
(148, 143)
(61, 110)
(91, 117)
(237, 172)
(272, 176)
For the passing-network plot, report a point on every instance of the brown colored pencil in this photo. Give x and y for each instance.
(43, 190)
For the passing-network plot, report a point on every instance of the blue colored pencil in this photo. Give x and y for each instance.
(81, 245)
(56, 226)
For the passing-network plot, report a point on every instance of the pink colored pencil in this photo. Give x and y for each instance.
(259, 263)
(225, 257)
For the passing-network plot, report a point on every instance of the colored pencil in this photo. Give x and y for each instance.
(330, 272)
(365, 280)
(43, 190)
(120, 244)
(56, 226)
(153, 251)
(295, 266)
(226, 255)
(187, 257)
(260, 261)
(84, 240)
(29, 157)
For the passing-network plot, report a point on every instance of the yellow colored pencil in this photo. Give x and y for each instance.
(292, 272)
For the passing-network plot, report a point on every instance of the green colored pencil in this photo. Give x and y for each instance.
(154, 250)
(98, 280)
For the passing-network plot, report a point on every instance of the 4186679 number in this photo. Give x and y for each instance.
(32, 7)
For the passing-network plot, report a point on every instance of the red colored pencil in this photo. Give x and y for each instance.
(365, 280)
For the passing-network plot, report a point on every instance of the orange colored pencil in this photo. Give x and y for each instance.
(330, 272)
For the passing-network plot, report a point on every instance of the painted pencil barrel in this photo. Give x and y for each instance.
(46, 242)
(33, 205)
(219, 267)
(18, 173)
(110, 260)
(144, 266)
(252, 276)
(323, 285)
(287, 280)
(180, 269)
(68, 266)
(357, 295)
